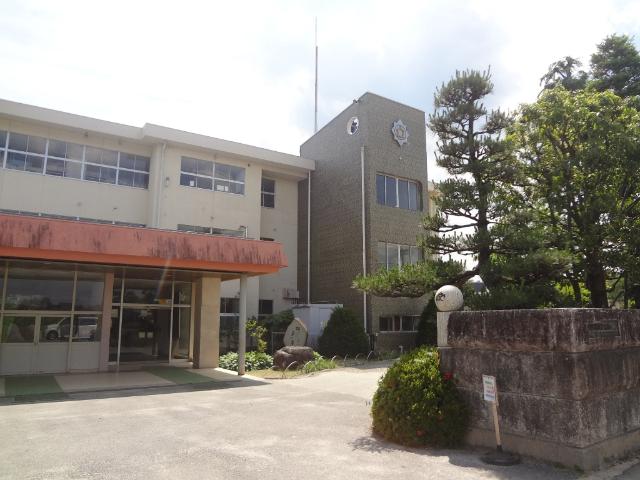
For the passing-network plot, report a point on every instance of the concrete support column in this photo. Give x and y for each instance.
(242, 330)
(106, 326)
(206, 335)
(155, 186)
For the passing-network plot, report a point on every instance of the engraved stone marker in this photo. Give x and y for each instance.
(296, 334)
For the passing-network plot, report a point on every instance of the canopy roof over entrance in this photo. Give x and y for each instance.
(65, 240)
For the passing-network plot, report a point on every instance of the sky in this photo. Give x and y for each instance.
(244, 70)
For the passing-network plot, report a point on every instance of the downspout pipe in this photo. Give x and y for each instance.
(364, 236)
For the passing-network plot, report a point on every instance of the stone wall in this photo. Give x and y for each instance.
(568, 380)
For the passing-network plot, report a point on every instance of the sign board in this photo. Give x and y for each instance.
(489, 388)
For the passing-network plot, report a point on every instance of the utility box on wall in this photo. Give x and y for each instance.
(315, 317)
(568, 380)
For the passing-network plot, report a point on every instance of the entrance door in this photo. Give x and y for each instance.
(145, 335)
(52, 343)
(34, 344)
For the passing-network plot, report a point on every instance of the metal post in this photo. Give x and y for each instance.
(496, 425)
(242, 330)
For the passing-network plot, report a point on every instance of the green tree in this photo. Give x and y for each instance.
(580, 153)
(480, 210)
(343, 335)
(616, 66)
(565, 72)
(427, 334)
(472, 148)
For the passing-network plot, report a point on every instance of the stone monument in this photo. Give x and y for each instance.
(294, 350)
(296, 334)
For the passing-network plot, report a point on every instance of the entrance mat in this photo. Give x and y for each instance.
(179, 376)
(31, 385)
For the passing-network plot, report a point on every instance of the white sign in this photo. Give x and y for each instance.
(489, 388)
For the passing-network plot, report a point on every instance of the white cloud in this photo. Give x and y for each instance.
(244, 70)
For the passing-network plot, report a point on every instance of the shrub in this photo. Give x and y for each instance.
(428, 326)
(277, 322)
(343, 335)
(258, 332)
(416, 405)
(253, 361)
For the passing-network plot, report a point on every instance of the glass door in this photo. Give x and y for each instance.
(145, 335)
(34, 344)
(52, 343)
(17, 344)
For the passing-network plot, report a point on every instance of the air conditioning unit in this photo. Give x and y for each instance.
(290, 293)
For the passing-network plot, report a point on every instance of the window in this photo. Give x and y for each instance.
(390, 255)
(397, 192)
(39, 289)
(211, 176)
(268, 193)
(26, 152)
(229, 307)
(265, 308)
(133, 170)
(64, 159)
(241, 232)
(399, 323)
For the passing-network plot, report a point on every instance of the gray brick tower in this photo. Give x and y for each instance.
(395, 200)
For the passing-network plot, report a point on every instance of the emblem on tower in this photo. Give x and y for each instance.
(400, 132)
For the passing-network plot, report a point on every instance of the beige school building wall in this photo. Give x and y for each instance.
(165, 203)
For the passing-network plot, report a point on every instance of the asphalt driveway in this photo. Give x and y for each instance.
(304, 428)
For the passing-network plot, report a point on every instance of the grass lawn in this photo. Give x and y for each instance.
(274, 374)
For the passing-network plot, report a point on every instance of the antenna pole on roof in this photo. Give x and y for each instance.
(315, 117)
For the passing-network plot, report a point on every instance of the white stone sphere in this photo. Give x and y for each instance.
(449, 298)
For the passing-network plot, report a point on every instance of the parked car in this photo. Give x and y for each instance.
(84, 328)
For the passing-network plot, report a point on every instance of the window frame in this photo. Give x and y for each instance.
(397, 248)
(215, 179)
(265, 193)
(397, 321)
(47, 157)
(384, 198)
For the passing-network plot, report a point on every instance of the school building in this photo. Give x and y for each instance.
(122, 246)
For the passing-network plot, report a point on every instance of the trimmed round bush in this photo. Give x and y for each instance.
(343, 335)
(416, 405)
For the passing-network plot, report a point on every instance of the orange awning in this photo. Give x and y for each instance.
(66, 240)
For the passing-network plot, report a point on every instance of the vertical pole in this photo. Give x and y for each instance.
(364, 237)
(242, 330)
(120, 318)
(496, 425)
(315, 113)
(309, 239)
(173, 292)
(72, 320)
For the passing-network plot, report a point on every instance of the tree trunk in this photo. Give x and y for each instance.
(577, 292)
(596, 281)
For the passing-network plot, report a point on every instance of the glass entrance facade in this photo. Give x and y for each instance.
(150, 318)
(51, 317)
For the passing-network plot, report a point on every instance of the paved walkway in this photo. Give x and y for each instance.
(314, 427)
(57, 387)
